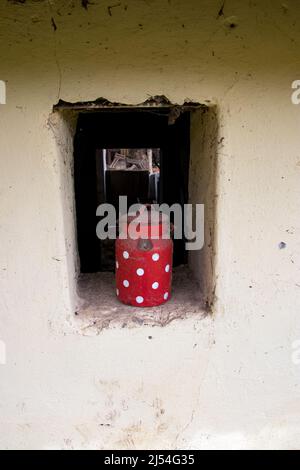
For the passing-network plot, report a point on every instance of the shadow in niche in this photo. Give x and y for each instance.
(126, 130)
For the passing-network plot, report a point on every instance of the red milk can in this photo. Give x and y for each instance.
(144, 264)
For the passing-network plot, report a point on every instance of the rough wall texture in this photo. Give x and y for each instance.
(227, 380)
(204, 143)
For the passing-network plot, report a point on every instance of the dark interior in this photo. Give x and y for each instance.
(126, 129)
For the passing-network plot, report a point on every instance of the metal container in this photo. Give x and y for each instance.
(144, 263)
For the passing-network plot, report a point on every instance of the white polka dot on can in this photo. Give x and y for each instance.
(140, 272)
(167, 268)
(117, 291)
(155, 285)
(139, 299)
(117, 265)
(125, 254)
(166, 295)
(155, 256)
(125, 283)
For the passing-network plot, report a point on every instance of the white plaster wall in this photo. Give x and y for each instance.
(226, 381)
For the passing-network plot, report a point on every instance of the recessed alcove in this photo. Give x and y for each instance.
(103, 149)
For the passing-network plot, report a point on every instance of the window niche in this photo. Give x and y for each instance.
(107, 149)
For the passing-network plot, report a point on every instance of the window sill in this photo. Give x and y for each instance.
(100, 309)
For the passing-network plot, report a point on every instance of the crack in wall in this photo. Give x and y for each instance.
(54, 26)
